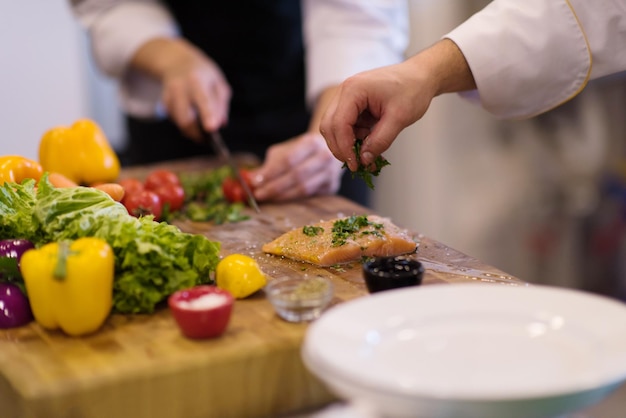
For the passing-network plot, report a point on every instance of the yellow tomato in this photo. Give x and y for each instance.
(240, 275)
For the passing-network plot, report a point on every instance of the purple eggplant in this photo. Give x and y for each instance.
(14, 307)
(11, 251)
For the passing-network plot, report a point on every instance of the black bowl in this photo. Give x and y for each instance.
(385, 273)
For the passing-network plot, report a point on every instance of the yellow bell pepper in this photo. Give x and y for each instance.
(81, 153)
(70, 284)
(15, 168)
(240, 275)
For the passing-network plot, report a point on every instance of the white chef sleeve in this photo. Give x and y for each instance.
(530, 56)
(117, 28)
(604, 25)
(344, 37)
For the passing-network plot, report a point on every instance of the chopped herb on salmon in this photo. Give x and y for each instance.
(343, 240)
(311, 231)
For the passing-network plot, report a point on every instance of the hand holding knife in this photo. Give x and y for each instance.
(215, 139)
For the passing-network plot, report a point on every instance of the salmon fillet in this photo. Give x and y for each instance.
(342, 240)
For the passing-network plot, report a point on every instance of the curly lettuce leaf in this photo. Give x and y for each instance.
(17, 202)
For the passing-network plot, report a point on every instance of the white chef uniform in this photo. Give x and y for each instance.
(530, 56)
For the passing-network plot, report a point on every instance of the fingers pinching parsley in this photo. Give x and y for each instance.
(363, 171)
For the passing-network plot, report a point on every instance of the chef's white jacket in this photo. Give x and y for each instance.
(529, 56)
(342, 37)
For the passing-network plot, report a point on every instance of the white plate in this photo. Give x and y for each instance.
(471, 350)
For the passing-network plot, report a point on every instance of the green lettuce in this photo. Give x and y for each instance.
(152, 259)
(17, 202)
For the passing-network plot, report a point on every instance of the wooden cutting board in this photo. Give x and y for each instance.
(141, 366)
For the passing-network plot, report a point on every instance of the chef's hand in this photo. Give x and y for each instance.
(377, 105)
(192, 83)
(302, 166)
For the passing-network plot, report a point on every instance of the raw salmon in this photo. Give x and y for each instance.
(343, 240)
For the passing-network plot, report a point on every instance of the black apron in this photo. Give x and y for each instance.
(258, 45)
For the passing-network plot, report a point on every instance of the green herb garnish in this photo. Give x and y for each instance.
(362, 171)
(347, 228)
(338, 268)
(205, 201)
(311, 231)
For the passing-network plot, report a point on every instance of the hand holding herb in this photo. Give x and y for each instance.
(363, 171)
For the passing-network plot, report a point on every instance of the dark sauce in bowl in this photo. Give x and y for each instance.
(385, 273)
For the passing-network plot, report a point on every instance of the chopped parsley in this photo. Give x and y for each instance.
(338, 268)
(347, 228)
(311, 231)
(205, 201)
(362, 171)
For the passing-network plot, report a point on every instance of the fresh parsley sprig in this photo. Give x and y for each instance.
(311, 231)
(362, 171)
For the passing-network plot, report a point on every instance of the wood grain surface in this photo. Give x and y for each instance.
(140, 366)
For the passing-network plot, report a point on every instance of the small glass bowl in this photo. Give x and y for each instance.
(299, 300)
(199, 317)
(385, 273)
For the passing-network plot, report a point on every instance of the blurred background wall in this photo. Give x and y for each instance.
(46, 78)
(540, 199)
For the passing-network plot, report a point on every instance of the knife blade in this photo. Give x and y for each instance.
(215, 139)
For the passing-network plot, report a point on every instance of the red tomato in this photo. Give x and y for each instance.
(233, 192)
(131, 186)
(246, 176)
(232, 189)
(160, 177)
(143, 203)
(171, 195)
